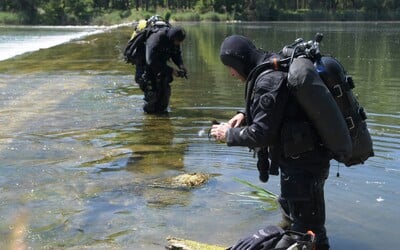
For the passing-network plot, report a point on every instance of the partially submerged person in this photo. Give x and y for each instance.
(272, 116)
(161, 46)
(153, 43)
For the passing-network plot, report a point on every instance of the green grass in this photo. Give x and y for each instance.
(259, 194)
(9, 18)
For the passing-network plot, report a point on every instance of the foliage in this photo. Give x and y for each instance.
(108, 18)
(213, 16)
(61, 12)
(186, 16)
(9, 18)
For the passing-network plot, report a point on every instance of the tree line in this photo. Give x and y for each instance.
(57, 12)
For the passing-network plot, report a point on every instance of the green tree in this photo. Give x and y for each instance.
(27, 8)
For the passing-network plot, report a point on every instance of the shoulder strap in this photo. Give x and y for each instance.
(254, 75)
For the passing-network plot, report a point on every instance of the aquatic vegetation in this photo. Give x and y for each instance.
(259, 194)
(182, 244)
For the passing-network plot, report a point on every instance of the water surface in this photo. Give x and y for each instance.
(82, 162)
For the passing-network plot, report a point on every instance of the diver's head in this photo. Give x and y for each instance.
(176, 35)
(240, 54)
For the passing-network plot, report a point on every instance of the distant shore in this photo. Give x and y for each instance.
(116, 17)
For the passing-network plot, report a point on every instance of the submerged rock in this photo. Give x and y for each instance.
(190, 180)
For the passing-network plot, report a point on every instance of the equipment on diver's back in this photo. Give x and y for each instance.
(135, 49)
(341, 85)
(308, 49)
(335, 112)
(340, 88)
(320, 107)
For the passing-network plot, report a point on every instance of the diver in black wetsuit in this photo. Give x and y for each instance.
(162, 46)
(274, 125)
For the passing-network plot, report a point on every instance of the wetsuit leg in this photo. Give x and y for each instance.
(150, 97)
(139, 79)
(303, 196)
(286, 221)
(163, 99)
(157, 97)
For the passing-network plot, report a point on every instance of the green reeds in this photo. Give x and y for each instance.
(259, 194)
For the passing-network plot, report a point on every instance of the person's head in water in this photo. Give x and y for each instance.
(177, 35)
(240, 55)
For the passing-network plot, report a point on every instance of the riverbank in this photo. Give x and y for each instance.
(117, 17)
(124, 16)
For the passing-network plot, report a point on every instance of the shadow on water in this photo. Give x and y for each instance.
(84, 167)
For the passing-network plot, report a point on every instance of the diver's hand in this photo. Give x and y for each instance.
(218, 131)
(180, 73)
(183, 68)
(237, 120)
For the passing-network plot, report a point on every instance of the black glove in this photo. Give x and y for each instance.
(182, 72)
(263, 239)
(263, 164)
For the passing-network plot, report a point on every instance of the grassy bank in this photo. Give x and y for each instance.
(116, 17)
(9, 18)
(300, 15)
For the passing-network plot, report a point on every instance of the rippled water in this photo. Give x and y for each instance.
(83, 167)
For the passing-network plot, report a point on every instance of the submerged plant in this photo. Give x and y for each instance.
(259, 194)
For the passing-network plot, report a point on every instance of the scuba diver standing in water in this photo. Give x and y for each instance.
(150, 49)
(162, 46)
(276, 127)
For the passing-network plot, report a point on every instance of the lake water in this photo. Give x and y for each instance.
(17, 40)
(83, 167)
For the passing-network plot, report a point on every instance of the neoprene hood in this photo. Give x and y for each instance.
(241, 54)
(176, 33)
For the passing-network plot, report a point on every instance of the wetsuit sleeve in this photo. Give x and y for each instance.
(267, 108)
(155, 54)
(177, 55)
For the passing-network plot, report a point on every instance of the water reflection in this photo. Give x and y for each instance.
(146, 149)
(92, 171)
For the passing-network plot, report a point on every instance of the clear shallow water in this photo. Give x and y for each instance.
(81, 160)
(17, 40)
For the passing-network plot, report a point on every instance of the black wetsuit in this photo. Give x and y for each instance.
(158, 75)
(302, 175)
(272, 114)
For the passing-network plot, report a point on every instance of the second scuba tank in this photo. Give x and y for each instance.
(324, 91)
(320, 106)
(341, 85)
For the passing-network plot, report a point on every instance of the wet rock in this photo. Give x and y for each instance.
(190, 180)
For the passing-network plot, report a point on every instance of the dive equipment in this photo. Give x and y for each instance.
(335, 112)
(320, 106)
(340, 86)
(135, 49)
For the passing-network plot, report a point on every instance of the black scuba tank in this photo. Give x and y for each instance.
(320, 106)
(340, 85)
(340, 123)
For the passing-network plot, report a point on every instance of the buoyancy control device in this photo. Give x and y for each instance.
(323, 89)
(135, 49)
